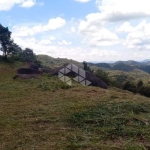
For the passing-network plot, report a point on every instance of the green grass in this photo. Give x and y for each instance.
(46, 114)
(111, 120)
(134, 75)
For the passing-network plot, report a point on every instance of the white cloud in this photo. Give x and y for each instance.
(47, 41)
(125, 6)
(95, 34)
(139, 37)
(126, 27)
(52, 38)
(53, 24)
(82, 1)
(98, 54)
(28, 3)
(119, 10)
(8, 4)
(95, 28)
(101, 37)
(64, 42)
(63, 51)
(73, 29)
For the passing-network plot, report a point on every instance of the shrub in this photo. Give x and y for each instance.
(130, 86)
(139, 86)
(140, 83)
(145, 91)
(103, 76)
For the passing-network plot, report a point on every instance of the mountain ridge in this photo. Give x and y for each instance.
(126, 66)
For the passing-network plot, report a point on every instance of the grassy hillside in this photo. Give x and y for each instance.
(51, 62)
(55, 62)
(130, 69)
(46, 114)
(134, 75)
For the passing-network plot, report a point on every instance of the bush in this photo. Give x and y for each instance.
(117, 84)
(103, 76)
(130, 86)
(139, 86)
(145, 91)
(121, 77)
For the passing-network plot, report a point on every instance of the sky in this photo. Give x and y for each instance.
(82, 30)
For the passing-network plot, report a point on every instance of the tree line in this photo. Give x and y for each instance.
(12, 50)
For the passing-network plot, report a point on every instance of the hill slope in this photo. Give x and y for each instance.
(55, 62)
(127, 66)
(45, 113)
(132, 69)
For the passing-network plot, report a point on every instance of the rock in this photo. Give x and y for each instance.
(45, 70)
(95, 81)
(28, 71)
(33, 65)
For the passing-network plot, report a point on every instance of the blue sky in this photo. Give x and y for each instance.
(83, 30)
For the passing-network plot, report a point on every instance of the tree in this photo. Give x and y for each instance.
(5, 36)
(139, 86)
(86, 67)
(28, 55)
(14, 50)
(7, 45)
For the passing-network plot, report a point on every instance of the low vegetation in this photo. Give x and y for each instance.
(46, 113)
(40, 112)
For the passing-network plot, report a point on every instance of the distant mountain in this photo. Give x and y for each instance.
(96, 62)
(123, 67)
(101, 65)
(129, 62)
(145, 68)
(126, 66)
(146, 60)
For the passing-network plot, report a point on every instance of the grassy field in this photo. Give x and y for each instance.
(46, 114)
